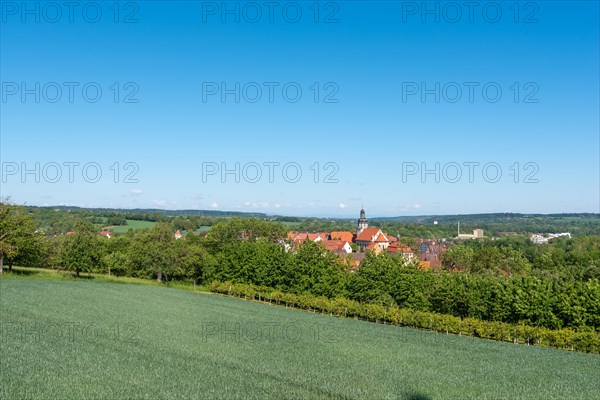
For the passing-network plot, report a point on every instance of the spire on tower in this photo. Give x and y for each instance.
(363, 223)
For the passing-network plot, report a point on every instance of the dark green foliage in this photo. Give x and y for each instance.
(264, 263)
(19, 241)
(496, 282)
(81, 250)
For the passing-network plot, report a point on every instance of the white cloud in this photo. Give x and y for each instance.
(342, 206)
(214, 204)
(136, 192)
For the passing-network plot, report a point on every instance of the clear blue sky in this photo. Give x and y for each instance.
(374, 58)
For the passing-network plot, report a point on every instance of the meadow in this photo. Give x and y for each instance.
(92, 338)
(133, 224)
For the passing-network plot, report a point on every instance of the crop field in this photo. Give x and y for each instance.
(90, 339)
(133, 224)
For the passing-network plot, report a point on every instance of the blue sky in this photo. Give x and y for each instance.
(370, 63)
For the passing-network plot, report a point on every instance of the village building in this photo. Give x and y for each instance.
(367, 239)
(298, 238)
(430, 251)
(343, 236)
(477, 234)
(372, 237)
(338, 246)
(397, 248)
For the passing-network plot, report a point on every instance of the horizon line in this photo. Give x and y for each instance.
(318, 216)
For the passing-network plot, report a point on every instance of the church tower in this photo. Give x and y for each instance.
(363, 223)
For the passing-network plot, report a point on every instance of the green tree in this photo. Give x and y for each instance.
(238, 229)
(191, 259)
(116, 263)
(458, 258)
(81, 250)
(152, 252)
(17, 234)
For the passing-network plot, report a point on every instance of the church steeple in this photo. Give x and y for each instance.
(363, 223)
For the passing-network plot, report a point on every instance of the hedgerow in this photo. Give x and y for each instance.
(566, 338)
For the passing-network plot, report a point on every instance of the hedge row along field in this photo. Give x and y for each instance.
(584, 341)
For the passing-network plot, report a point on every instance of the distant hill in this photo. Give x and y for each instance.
(422, 219)
(52, 219)
(487, 218)
(170, 213)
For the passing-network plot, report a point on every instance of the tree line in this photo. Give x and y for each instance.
(506, 281)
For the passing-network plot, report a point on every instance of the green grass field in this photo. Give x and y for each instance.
(94, 339)
(203, 228)
(133, 224)
(291, 223)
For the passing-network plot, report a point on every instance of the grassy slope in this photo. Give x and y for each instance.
(59, 341)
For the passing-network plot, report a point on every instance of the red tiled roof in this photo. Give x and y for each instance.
(334, 244)
(404, 250)
(301, 238)
(398, 247)
(367, 234)
(372, 235)
(381, 238)
(345, 236)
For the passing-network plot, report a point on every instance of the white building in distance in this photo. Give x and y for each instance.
(477, 234)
